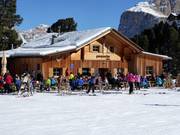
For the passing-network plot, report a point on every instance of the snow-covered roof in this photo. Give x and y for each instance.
(164, 57)
(146, 7)
(62, 42)
(76, 38)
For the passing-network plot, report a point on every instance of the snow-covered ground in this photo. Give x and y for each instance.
(151, 112)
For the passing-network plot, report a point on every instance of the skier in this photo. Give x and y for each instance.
(91, 83)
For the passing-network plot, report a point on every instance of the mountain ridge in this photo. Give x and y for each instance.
(34, 33)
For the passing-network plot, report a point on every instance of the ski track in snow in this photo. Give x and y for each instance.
(151, 112)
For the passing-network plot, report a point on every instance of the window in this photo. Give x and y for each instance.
(85, 71)
(57, 71)
(111, 49)
(38, 67)
(149, 70)
(96, 48)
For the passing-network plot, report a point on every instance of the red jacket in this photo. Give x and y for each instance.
(9, 79)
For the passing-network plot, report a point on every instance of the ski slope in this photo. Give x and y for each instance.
(147, 112)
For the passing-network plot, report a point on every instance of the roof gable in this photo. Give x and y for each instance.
(65, 42)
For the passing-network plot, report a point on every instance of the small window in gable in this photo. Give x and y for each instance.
(111, 49)
(96, 48)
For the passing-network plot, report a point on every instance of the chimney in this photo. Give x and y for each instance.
(52, 39)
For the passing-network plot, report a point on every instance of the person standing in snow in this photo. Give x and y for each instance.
(59, 81)
(71, 79)
(40, 80)
(159, 81)
(48, 84)
(145, 82)
(137, 81)
(17, 83)
(8, 80)
(30, 85)
(131, 80)
(91, 83)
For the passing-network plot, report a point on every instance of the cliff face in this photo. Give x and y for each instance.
(146, 14)
(132, 23)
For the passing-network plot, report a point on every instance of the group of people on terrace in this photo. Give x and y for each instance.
(30, 82)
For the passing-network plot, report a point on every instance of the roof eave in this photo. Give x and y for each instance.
(163, 57)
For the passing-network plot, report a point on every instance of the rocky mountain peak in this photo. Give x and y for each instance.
(34, 33)
(146, 14)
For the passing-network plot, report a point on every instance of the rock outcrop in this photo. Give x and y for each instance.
(146, 14)
(34, 32)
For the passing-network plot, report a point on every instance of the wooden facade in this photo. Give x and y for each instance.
(110, 51)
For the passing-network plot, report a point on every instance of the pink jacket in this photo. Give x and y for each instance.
(131, 77)
(137, 78)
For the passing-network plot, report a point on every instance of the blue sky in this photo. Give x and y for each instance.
(87, 13)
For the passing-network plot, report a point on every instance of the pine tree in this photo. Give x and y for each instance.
(63, 25)
(163, 39)
(8, 20)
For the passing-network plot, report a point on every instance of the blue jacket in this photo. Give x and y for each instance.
(159, 81)
(18, 82)
(91, 81)
(53, 81)
(80, 82)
